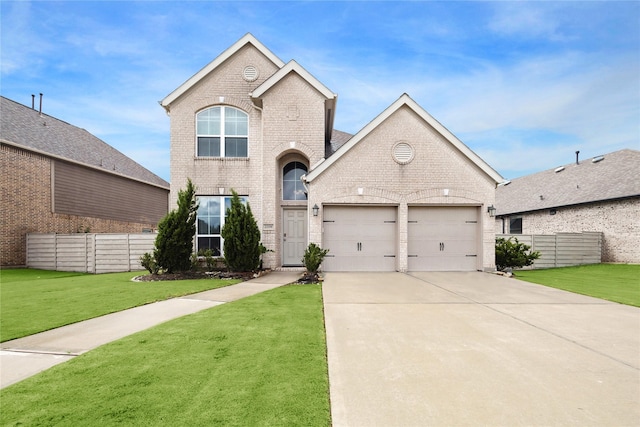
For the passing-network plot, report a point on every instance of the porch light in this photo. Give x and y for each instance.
(315, 210)
(491, 210)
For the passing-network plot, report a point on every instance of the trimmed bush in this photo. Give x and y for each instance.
(513, 254)
(313, 257)
(174, 244)
(242, 248)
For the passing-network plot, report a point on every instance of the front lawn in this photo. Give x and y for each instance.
(258, 361)
(33, 301)
(613, 282)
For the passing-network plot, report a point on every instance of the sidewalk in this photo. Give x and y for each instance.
(25, 357)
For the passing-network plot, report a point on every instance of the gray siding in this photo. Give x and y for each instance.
(86, 192)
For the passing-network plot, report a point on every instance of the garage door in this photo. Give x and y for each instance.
(359, 238)
(443, 238)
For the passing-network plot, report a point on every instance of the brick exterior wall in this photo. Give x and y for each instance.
(617, 220)
(25, 206)
(288, 127)
(437, 166)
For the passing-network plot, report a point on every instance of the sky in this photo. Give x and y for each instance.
(523, 84)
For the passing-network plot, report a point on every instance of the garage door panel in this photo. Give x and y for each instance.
(359, 238)
(442, 238)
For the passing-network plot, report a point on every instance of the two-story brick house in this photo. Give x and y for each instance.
(402, 194)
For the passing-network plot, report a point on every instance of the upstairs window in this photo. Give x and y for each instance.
(222, 132)
(292, 187)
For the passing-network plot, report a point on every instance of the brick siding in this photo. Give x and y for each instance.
(25, 206)
(617, 220)
(437, 166)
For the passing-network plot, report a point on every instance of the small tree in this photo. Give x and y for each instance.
(241, 236)
(174, 243)
(313, 257)
(513, 255)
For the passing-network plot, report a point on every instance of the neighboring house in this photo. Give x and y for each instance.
(57, 178)
(402, 194)
(601, 194)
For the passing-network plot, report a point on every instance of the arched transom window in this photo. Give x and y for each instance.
(222, 132)
(292, 187)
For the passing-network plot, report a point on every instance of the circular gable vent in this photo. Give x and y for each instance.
(402, 153)
(250, 73)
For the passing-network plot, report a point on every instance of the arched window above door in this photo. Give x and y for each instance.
(292, 187)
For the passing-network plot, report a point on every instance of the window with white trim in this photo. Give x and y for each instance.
(212, 211)
(222, 132)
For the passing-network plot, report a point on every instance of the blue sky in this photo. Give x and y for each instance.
(523, 84)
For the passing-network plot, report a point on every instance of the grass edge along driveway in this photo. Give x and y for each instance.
(33, 301)
(258, 361)
(613, 282)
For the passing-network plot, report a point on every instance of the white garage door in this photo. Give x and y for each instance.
(359, 238)
(443, 238)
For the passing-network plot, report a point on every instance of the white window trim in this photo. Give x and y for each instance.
(222, 203)
(222, 135)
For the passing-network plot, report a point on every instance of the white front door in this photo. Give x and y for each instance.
(294, 236)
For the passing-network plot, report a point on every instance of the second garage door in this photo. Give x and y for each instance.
(360, 238)
(443, 238)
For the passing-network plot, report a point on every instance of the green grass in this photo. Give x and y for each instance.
(258, 361)
(33, 301)
(613, 282)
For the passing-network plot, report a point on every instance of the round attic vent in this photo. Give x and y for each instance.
(402, 153)
(250, 73)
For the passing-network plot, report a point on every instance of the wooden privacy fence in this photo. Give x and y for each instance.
(562, 249)
(88, 253)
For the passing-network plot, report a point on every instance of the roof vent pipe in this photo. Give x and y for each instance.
(577, 154)
(40, 104)
(33, 102)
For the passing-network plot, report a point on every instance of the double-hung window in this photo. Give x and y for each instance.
(222, 132)
(210, 220)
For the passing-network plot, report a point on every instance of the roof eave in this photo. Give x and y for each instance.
(292, 66)
(408, 101)
(247, 38)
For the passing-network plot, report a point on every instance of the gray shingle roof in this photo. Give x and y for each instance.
(338, 139)
(23, 126)
(615, 176)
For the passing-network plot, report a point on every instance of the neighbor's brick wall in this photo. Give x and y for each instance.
(25, 206)
(437, 165)
(288, 127)
(617, 220)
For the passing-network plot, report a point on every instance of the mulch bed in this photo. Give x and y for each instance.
(187, 275)
(306, 278)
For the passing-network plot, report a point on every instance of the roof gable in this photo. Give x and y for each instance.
(246, 39)
(292, 66)
(405, 100)
(24, 127)
(611, 176)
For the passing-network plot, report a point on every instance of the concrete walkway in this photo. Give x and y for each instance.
(24, 357)
(475, 349)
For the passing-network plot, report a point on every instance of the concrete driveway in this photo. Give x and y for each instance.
(456, 349)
